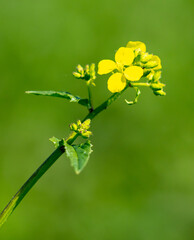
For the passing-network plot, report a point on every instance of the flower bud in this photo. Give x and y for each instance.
(92, 71)
(73, 127)
(79, 123)
(80, 69)
(86, 124)
(151, 64)
(86, 134)
(76, 75)
(88, 74)
(146, 72)
(87, 69)
(145, 57)
(157, 76)
(157, 59)
(159, 93)
(150, 75)
(137, 52)
(157, 86)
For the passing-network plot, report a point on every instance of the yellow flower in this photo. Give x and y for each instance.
(138, 46)
(123, 64)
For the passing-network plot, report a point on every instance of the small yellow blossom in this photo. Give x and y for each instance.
(82, 128)
(123, 64)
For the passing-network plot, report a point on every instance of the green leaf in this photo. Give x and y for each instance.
(56, 141)
(60, 94)
(138, 92)
(72, 155)
(78, 155)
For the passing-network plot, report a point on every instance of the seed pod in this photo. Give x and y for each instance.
(77, 75)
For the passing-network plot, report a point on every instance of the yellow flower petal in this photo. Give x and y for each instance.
(157, 59)
(124, 56)
(106, 66)
(116, 82)
(133, 73)
(136, 44)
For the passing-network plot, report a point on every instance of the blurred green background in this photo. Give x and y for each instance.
(139, 183)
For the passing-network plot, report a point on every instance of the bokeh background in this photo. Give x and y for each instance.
(139, 183)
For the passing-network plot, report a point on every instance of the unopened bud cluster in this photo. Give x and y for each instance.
(151, 65)
(88, 73)
(82, 128)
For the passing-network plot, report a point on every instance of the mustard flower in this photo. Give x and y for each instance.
(124, 58)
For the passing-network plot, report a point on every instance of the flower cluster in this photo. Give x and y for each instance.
(131, 64)
(88, 73)
(82, 128)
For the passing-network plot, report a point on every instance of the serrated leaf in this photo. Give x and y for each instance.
(78, 155)
(72, 155)
(61, 94)
(83, 151)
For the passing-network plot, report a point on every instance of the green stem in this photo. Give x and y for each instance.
(105, 104)
(90, 98)
(140, 84)
(49, 162)
(29, 184)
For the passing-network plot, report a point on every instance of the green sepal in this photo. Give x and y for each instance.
(78, 155)
(138, 92)
(57, 142)
(146, 72)
(61, 94)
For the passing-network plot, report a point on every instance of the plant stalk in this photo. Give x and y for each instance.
(17, 198)
(90, 98)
